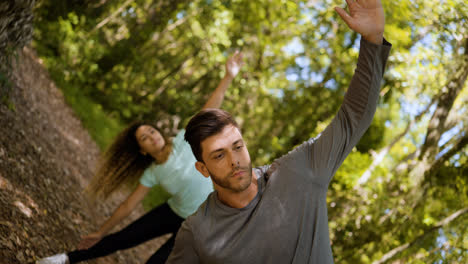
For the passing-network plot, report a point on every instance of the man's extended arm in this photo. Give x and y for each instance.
(367, 18)
(355, 115)
(326, 153)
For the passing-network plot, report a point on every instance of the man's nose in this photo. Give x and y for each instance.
(234, 161)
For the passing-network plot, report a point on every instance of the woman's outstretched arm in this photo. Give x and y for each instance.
(233, 65)
(119, 214)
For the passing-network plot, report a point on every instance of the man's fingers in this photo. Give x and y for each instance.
(345, 16)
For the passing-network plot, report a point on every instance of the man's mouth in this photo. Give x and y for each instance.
(238, 173)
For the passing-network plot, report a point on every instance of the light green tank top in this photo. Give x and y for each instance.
(179, 177)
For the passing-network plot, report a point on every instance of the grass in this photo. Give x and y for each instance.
(155, 197)
(101, 126)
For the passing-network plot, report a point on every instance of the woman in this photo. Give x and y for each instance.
(142, 152)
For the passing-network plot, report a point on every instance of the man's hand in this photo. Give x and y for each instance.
(234, 64)
(366, 17)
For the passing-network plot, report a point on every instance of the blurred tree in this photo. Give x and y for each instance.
(16, 20)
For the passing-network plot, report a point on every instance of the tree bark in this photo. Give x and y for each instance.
(437, 124)
(447, 97)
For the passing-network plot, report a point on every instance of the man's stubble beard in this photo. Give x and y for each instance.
(226, 182)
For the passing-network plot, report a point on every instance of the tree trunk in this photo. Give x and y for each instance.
(437, 124)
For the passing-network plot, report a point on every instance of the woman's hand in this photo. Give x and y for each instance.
(234, 64)
(89, 240)
(119, 214)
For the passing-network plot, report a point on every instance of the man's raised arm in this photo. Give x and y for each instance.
(327, 152)
(354, 117)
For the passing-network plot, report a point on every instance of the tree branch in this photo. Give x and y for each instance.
(405, 246)
(383, 152)
(462, 142)
(109, 18)
(447, 97)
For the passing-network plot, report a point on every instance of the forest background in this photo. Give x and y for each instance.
(401, 196)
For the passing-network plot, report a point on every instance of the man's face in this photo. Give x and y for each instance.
(226, 160)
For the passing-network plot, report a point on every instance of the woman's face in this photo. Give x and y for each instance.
(150, 140)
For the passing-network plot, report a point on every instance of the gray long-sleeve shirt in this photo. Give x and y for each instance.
(287, 221)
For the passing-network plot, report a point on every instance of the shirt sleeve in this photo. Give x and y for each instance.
(324, 154)
(149, 178)
(179, 138)
(184, 248)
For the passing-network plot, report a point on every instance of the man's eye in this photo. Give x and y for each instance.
(219, 156)
(239, 147)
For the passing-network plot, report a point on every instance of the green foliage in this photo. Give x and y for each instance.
(350, 171)
(373, 138)
(101, 125)
(156, 196)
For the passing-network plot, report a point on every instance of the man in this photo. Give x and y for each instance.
(278, 213)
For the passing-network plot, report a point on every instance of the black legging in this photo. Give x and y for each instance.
(159, 221)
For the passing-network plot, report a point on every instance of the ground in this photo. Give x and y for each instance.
(46, 160)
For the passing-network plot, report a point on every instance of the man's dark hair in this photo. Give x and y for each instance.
(206, 123)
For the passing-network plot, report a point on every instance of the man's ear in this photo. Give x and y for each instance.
(201, 167)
